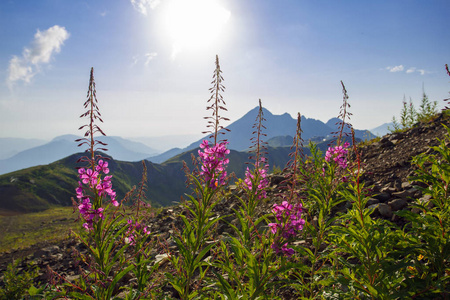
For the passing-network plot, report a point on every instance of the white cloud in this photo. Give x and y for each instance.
(135, 60)
(414, 69)
(19, 70)
(142, 5)
(410, 70)
(45, 43)
(396, 68)
(149, 57)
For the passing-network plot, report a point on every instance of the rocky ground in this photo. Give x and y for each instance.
(386, 164)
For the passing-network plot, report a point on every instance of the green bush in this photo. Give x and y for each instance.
(16, 285)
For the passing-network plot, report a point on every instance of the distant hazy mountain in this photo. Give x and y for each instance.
(280, 141)
(160, 158)
(382, 129)
(167, 142)
(277, 126)
(333, 123)
(65, 145)
(11, 146)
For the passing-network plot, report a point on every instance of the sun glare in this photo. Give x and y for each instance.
(194, 24)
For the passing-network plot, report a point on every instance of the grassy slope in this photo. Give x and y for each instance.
(24, 230)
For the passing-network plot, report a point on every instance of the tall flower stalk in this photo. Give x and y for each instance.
(344, 116)
(216, 104)
(105, 230)
(256, 181)
(199, 223)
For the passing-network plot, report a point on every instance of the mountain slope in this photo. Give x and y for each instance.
(40, 187)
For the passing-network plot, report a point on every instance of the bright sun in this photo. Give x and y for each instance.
(194, 24)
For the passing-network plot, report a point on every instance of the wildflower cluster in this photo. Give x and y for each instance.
(290, 222)
(338, 155)
(100, 186)
(134, 229)
(213, 163)
(258, 178)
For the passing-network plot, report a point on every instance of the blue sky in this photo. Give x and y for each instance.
(153, 61)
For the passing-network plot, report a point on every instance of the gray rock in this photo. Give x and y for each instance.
(381, 209)
(406, 185)
(397, 204)
(372, 201)
(382, 197)
(384, 210)
(406, 194)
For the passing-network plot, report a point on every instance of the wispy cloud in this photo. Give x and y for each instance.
(147, 57)
(142, 5)
(43, 46)
(396, 68)
(410, 70)
(414, 69)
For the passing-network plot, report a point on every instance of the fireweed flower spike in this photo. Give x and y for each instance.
(263, 181)
(199, 222)
(338, 155)
(213, 163)
(255, 181)
(289, 224)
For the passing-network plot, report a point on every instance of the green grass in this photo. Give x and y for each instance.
(24, 230)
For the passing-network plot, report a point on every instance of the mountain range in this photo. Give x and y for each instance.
(65, 145)
(278, 126)
(45, 181)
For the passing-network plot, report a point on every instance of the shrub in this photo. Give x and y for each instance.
(16, 285)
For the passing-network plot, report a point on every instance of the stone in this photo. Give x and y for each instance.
(406, 194)
(381, 209)
(406, 185)
(397, 204)
(382, 197)
(384, 210)
(372, 201)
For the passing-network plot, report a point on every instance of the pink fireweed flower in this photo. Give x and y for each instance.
(79, 190)
(259, 177)
(99, 187)
(213, 163)
(283, 249)
(105, 188)
(88, 176)
(102, 166)
(134, 230)
(88, 214)
(289, 223)
(338, 155)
